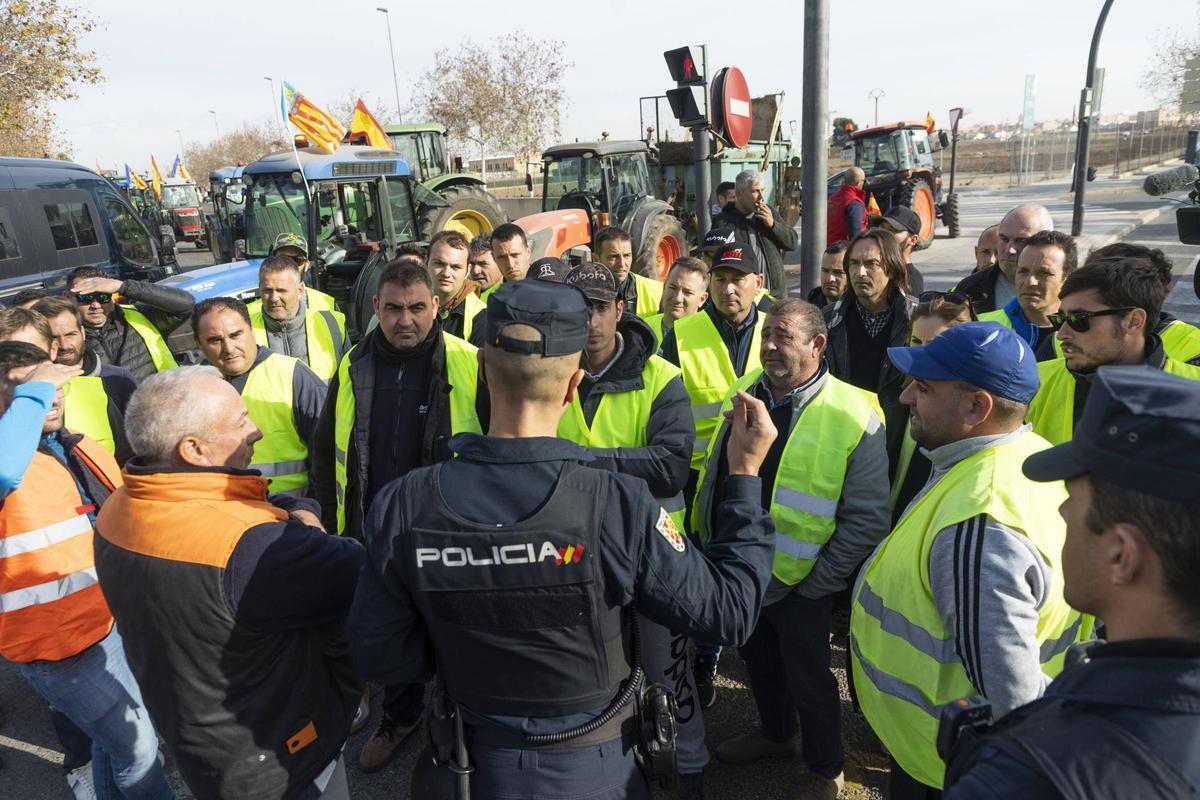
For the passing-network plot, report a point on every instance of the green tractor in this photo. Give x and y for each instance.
(470, 208)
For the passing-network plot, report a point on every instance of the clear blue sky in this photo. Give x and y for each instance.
(167, 66)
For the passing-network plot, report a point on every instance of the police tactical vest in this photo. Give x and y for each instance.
(462, 368)
(708, 372)
(517, 613)
(1052, 412)
(281, 454)
(324, 335)
(160, 354)
(51, 606)
(621, 419)
(85, 410)
(649, 296)
(812, 468)
(904, 659)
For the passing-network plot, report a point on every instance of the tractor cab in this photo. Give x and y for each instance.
(227, 222)
(608, 180)
(181, 204)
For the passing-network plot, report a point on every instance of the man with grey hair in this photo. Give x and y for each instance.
(992, 288)
(825, 484)
(231, 608)
(760, 227)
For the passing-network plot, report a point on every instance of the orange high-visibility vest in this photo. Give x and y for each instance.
(51, 606)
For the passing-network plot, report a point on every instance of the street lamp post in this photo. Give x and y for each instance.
(215, 123)
(180, 135)
(1085, 122)
(274, 97)
(875, 94)
(392, 50)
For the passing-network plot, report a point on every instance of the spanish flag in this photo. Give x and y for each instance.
(99, 169)
(365, 129)
(930, 125)
(873, 209)
(312, 120)
(155, 178)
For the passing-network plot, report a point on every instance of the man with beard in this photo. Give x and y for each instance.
(95, 401)
(1107, 315)
(481, 266)
(392, 406)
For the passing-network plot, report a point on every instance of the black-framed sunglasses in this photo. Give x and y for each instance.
(94, 297)
(1081, 321)
(958, 298)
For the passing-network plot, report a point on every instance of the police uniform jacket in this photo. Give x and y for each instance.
(639, 559)
(1124, 723)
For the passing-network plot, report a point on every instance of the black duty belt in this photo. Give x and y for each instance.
(491, 736)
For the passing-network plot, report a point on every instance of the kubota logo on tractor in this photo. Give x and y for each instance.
(499, 555)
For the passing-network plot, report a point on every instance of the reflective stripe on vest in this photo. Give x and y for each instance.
(1052, 412)
(324, 337)
(812, 469)
(462, 367)
(281, 454)
(160, 354)
(85, 410)
(621, 420)
(903, 657)
(1181, 341)
(51, 607)
(708, 373)
(649, 296)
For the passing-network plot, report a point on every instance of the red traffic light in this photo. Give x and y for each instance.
(686, 65)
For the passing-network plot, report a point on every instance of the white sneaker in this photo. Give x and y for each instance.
(80, 781)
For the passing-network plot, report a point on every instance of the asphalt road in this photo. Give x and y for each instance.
(31, 755)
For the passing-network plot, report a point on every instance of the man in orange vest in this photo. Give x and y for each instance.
(54, 623)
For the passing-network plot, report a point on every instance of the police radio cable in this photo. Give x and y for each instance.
(628, 691)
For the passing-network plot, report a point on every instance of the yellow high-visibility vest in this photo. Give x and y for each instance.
(281, 455)
(324, 335)
(160, 354)
(85, 410)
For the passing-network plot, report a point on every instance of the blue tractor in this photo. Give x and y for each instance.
(354, 207)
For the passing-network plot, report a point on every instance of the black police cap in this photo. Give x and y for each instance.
(561, 313)
(1141, 430)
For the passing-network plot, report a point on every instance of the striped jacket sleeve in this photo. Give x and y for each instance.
(988, 582)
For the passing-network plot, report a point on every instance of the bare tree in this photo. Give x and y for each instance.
(507, 96)
(41, 62)
(1163, 74)
(243, 146)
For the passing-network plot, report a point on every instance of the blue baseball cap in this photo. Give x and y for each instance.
(983, 354)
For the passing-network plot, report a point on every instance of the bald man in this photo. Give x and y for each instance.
(847, 208)
(992, 288)
(986, 247)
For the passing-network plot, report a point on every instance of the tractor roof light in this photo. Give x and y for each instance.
(300, 140)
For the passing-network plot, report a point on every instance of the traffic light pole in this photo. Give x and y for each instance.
(1083, 144)
(702, 180)
(814, 142)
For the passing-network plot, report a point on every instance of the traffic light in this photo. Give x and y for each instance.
(689, 102)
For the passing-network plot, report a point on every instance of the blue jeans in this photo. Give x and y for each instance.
(96, 690)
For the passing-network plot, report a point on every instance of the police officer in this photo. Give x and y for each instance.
(522, 594)
(295, 247)
(632, 413)
(283, 397)
(393, 405)
(825, 485)
(640, 295)
(1108, 313)
(283, 320)
(1123, 720)
(965, 595)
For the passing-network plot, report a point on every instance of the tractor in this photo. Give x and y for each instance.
(227, 223)
(898, 162)
(181, 211)
(469, 208)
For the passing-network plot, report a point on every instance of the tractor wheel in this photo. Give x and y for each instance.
(919, 197)
(950, 215)
(472, 211)
(664, 242)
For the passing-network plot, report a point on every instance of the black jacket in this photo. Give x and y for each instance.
(1125, 723)
(435, 437)
(664, 462)
(116, 343)
(768, 244)
(891, 380)
(981, 288)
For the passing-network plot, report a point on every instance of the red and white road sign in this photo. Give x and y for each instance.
(732, 96)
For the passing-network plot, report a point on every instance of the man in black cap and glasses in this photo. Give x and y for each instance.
(1123, 718)
(521, 595)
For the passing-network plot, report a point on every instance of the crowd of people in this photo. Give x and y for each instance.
(535, 501)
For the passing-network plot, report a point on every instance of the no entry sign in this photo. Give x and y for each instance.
(731, 102)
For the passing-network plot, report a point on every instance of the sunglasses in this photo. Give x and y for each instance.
(95, 297)
(958, 298)
(1081, 321)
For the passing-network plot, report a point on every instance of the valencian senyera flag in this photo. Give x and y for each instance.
(316, 123)
(365, 129)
